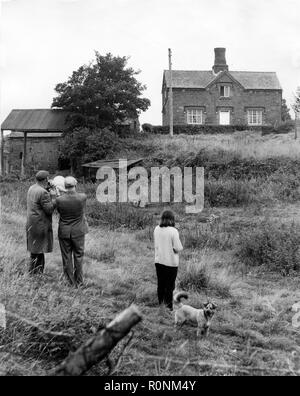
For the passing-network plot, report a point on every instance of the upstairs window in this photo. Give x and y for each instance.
(194, 116)
(225, 91)
(254, 117)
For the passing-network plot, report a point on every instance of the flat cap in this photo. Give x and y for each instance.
(42, 175)
(70, 182)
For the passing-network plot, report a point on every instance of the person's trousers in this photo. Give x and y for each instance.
(37, 263)
(166, 278)
(72, 252)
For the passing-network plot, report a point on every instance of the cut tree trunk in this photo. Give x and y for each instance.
(98, 347)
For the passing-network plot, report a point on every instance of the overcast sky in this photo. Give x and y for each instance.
(43, 41)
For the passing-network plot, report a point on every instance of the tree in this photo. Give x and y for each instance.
(296, 104)
(85, 145)
(101, 94)
(285, 111)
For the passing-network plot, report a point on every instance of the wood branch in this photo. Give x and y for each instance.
(99, 346)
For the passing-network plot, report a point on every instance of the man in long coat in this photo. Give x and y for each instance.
(71, 231)
(40, 206)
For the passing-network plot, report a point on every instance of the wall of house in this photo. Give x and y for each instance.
(238, 103)
(42, 153)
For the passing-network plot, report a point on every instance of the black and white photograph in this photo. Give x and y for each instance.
(149, 191)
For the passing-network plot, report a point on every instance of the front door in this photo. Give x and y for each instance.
(224, 117)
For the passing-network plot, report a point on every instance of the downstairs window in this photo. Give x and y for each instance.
(254, 117)
(194, 116)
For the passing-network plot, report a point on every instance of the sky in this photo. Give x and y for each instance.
(43, 41)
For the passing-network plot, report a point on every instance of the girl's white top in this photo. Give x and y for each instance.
(166, 240)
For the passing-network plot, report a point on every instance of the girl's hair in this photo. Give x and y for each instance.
(167, 219)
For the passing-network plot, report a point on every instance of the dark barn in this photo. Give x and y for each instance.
(33, 141)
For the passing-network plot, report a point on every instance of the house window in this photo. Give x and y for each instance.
(254, 117)
(225, 91)
(194, 116)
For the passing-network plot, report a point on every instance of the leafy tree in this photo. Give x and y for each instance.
(85, 145)
(285, 111)
(101, 94)
(296, 105)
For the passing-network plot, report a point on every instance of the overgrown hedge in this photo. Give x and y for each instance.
(275, 246)
(221, 164)
(215, 129)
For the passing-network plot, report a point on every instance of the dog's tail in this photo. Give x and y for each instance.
(178, 296)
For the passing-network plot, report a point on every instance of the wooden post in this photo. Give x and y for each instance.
(297, 121)
(23, 167)
(2, 170)
(171, 93)
(99, 346)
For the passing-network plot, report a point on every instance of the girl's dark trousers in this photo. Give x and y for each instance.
(166, 278)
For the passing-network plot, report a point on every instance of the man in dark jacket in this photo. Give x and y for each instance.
(40, 206)
(71, 231)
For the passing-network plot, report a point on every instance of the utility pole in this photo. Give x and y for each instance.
(171, 93)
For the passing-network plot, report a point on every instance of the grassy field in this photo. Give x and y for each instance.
(245, 260)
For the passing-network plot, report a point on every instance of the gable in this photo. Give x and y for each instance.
(224, 77)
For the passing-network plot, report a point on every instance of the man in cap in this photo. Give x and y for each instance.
(40, 206)
(71, 231)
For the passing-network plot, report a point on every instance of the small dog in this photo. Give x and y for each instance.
(185, 313)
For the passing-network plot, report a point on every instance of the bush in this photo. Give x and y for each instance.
(207, 129)
(283, 127)
(230, 165)
(198, 129)
(274, 246)
(228, 193)
(116, 215)
(147, 128)
(201, 276)
(208, 236)
(86, 145)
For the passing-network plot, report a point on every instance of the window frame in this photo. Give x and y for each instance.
(189, 117)
(255, 117)
(226, 89)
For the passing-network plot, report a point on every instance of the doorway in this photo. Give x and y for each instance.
(224, 117)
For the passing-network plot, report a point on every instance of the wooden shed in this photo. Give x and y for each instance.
(33, 141)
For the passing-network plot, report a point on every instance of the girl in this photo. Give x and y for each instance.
(167, 246)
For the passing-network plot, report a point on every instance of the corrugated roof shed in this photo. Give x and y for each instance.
(18, 135)
(201, 79)
(48, 120)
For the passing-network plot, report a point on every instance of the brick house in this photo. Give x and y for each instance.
(222, 97)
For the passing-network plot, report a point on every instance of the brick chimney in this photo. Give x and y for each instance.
(220, 60)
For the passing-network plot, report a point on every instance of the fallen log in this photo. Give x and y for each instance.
(98, 347)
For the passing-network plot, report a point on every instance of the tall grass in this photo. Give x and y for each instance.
(117, 215)
(246, 144)
(275, 246)
(201, 275)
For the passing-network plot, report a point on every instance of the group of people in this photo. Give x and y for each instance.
(70, 205)
(42, 201)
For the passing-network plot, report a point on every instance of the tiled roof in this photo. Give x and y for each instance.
(47, 120)
(201, 79)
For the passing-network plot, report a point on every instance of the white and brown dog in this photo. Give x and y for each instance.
(202, 317)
